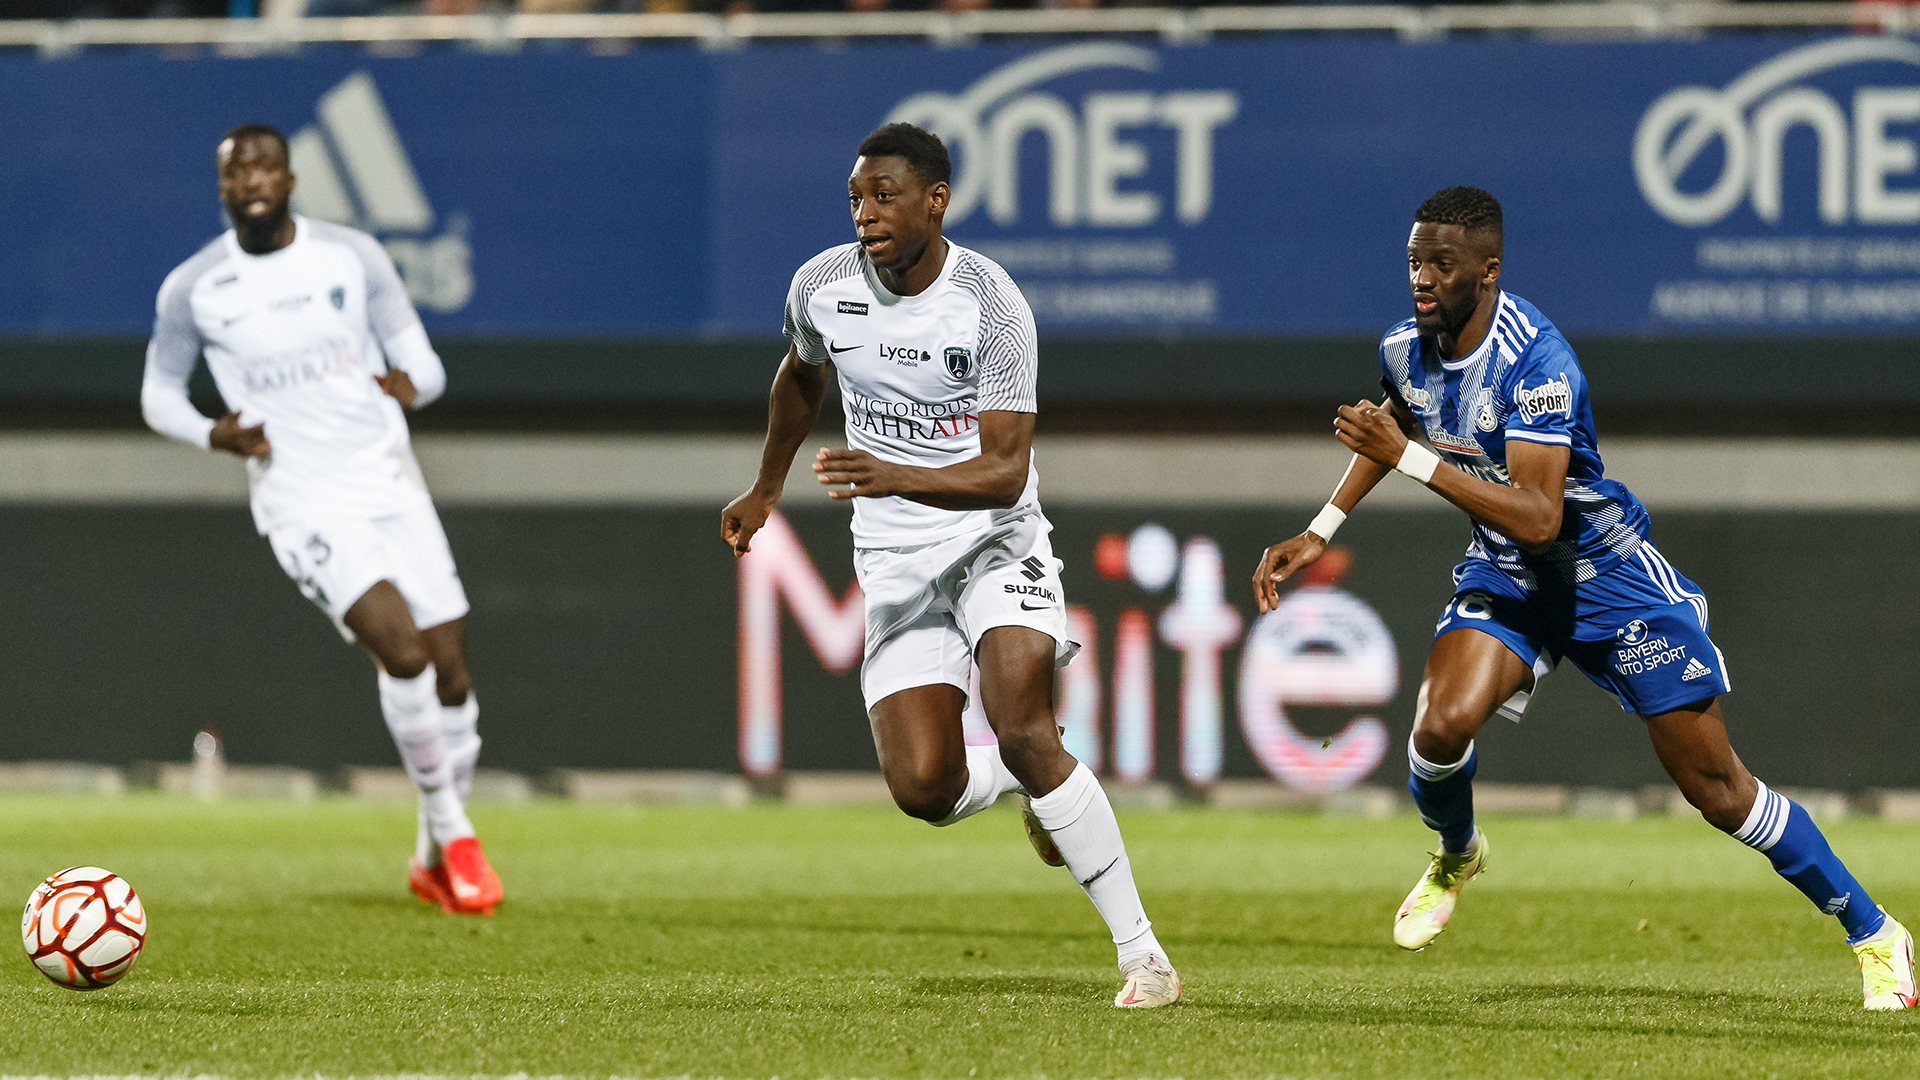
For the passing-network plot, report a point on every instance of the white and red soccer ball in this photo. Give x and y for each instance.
(84, 928)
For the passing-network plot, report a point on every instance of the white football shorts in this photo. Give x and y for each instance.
(336, 558)
(928, 606)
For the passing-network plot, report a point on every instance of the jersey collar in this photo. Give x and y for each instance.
(889, 298)
(232, 240)
(1486, 343)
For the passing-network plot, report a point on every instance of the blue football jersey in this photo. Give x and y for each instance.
(1523, 384)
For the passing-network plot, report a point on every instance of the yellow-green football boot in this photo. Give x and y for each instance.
(1886, 968)
(1428, 907)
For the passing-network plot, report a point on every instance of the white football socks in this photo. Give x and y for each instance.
(987, 780)
(460, 728)
(1081, 821)
(412, 711)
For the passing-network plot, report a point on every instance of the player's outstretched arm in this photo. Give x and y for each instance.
(1527, 509)
(1289, 557)
(792, 409)
(992, 481)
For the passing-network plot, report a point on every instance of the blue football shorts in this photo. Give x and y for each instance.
(1639, 630)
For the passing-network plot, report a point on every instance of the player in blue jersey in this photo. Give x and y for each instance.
(1560, 566)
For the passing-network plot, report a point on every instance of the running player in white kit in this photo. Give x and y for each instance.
(317, 351)
(937, 360)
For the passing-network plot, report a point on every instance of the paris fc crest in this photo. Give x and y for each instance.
(959, 361)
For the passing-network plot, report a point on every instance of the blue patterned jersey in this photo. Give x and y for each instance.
(1524, 384)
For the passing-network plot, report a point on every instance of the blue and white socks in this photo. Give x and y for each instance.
(1781, 829)
(1444, 794)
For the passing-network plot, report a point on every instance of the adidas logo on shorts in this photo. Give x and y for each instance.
(1695, 670)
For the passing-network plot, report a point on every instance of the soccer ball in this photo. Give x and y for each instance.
(84, 928)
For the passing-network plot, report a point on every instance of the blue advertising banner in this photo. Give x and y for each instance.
(1741, 184)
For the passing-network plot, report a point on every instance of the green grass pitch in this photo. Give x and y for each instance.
(811, 942)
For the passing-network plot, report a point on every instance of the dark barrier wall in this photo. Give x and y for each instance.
(612, 638)
(1730, 184)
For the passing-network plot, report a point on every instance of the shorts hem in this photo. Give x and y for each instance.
(908, 682)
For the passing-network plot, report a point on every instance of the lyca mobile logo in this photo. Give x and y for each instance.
(1089, 157)
(1751, 116)
(373, 187)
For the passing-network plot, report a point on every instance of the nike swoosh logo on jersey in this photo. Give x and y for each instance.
(831, 347)
(224, 323)
(1036, 607)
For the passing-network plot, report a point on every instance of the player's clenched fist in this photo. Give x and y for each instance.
(1280, 562)
(1372, 431)
(743, 517)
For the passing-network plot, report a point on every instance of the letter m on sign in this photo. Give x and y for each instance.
(778, 568)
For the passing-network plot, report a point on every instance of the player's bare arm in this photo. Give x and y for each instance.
(1281, 561)
(792, 408)
(992, 481)
(398, 385)
(1527, 509)
(228, 435)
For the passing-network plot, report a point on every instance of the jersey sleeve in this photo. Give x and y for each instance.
(1009, 348)
(395, 323)
(1543, 391)
(172, 353)
(799, 328)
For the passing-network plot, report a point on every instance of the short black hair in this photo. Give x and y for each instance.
(923, 150)
(1468, 207)
(251, 129)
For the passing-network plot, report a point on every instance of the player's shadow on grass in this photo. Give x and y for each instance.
(1694, 1014)
(974, 986)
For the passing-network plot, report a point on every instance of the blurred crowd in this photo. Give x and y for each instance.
(164, 9)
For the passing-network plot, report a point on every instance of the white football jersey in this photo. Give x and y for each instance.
(916, 372)
(293, 339)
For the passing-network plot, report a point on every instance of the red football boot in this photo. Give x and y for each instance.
(474, 885)
(430, 885)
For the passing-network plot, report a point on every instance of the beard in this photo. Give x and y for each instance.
(260, 234)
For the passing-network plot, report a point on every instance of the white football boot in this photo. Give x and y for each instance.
(1886, 968)
(1426, 910)
(1151, 982)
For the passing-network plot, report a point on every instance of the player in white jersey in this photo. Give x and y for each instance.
(936, 356)
(317, 351)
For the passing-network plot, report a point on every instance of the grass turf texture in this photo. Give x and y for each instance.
(808, 942)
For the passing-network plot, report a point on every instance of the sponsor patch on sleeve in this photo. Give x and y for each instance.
(1551, 398)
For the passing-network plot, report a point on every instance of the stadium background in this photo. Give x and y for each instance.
(599, 238)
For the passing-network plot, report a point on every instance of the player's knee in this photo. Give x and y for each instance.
(1717, 803)
(406, 658)
(1026, 746)
(452, 683)
(1443, 730)
(926, 791)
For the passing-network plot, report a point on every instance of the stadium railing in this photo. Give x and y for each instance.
(1174, 25)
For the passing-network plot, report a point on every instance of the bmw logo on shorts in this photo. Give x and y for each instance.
(1633, 633)
(959, 361)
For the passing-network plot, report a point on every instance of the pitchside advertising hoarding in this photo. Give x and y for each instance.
(630, 638)
(1729, 184)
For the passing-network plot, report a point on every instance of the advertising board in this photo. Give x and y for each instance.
(1724, 185)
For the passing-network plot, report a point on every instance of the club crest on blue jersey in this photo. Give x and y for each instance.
(339, 297)
(959, 361)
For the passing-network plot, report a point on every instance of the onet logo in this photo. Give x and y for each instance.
(354, 171)
(1088, 160)
(1865, 171)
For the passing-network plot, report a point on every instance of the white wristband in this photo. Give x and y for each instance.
(1418, 462)
(1327, 522)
